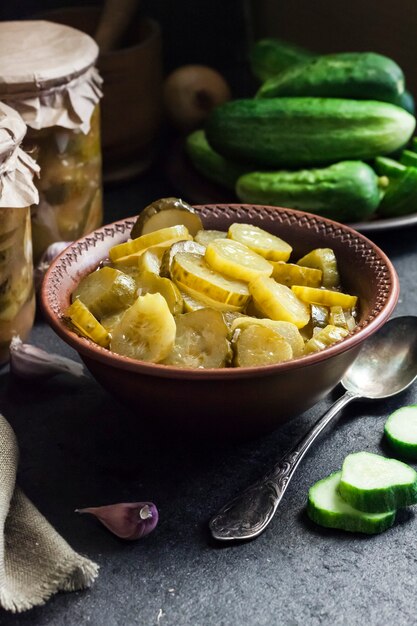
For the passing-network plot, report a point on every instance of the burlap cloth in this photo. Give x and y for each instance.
(35, 561)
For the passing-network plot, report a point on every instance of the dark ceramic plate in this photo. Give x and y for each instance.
(230, 402)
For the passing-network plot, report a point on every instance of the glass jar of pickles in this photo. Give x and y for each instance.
(17, 194)
(51, 80)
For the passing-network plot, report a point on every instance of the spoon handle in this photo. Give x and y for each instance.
(249, 513)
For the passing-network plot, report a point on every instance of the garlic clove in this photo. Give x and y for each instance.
(33, 363)
(127, 520)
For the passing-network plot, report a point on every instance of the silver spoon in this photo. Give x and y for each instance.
(386, 365)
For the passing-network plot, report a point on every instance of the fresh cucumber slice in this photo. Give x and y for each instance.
(326, 507)
(375, 484)
(401, 432)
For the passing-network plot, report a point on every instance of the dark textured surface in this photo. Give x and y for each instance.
(79, 447)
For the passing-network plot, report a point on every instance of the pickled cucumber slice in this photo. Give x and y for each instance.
(110, 321)
(201, 341)
(203, 237)
(259, 345)
(146, 331)
(86, 324)
(325, 337)
(323, 259)
(324, 297)
(278, 302)
(151, 260)
(291, 274)
(375, 484)
(320, 316)
(337, 316)
(327, 508)
(106, 291)
(147, 282)
(286, 330)
(269, 246)
(401, 432)
(165, 237)
(194, 300)
(192, 271)
(236, 260)
(179, 246)
(164, 213)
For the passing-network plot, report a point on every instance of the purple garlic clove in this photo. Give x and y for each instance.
(127, 520)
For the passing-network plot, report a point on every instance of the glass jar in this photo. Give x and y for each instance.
(70, 195)
(17, 193)
(17, 296)
(50, 78)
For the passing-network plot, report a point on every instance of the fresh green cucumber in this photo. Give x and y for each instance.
(270, 56)
(385, 166)
(326, 507)
(294, 132)
(211, 164)
(409, 158)
(361, 75)
(401, 432)
(345, 191)
(400, 197)
(406, 101)
(375, 484)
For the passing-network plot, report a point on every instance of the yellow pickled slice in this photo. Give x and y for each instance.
(337, 316)
(151, 260)
(259, 345)
(147, 282)
(86, 324)
(192, 271)
(350, 320)
(269, 246)
(203, 237)
(106, 291)
(278, 302)
(146, 331)
(324, 297)
(179, 246)
(286, 330)
(325, 337)
(291, 274)
(194, 300)
(201, 341)
(163, 237)
(166, 212)
(323, 259)
(236, 260)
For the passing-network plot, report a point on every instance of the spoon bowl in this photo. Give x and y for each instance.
(387, 361)
(385, 366)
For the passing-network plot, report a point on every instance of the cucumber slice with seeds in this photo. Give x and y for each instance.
(401, 432)
(375, 484)
(326, 507)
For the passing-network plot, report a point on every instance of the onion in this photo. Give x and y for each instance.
(191, 92)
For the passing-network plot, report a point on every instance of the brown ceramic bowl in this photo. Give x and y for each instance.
(239, 402)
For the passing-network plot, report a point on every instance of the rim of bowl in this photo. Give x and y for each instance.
(87, 348)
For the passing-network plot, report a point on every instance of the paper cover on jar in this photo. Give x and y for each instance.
(48, 73)
(16, 167)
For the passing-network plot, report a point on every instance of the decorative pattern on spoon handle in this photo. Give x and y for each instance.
(249, 513)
